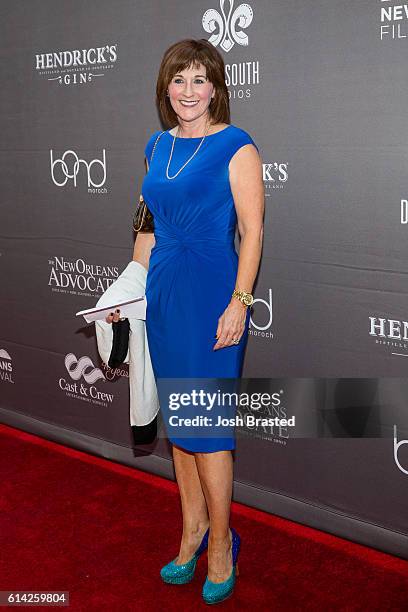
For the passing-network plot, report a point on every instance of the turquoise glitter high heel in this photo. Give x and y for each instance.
(182, 574)
(214, 592)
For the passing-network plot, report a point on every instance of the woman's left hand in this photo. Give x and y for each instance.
(231, 324)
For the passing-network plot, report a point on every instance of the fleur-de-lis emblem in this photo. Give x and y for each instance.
(227, 25)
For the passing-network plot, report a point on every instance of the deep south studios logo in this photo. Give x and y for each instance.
(401, 463)
(6, 367)
(393, 20)
(78, 277)
(81, 380)
(229, 27)
(76, 66)
(70, 169)
(260, 324)
(390, 333)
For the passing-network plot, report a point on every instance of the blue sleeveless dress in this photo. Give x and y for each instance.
(193, 264)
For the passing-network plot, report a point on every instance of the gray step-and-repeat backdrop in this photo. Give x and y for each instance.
(321, 86)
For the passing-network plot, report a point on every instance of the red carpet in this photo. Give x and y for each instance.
(100, 530)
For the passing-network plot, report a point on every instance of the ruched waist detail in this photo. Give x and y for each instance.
(175, 237)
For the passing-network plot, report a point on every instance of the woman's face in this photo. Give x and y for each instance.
(190, 93)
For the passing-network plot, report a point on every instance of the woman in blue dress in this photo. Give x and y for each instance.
(204, 179)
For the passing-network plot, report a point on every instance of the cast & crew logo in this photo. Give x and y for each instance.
(6, 367)
(83, 368)
(77, 277)
(393, 18)
(259, 323)
(227, 28)
(390, 332)
(275, 175)
(397, 446)
(64, 169)
(78, 66)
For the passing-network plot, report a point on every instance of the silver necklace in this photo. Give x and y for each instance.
(189, 160)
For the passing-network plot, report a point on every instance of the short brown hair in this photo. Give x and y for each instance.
(180, 56)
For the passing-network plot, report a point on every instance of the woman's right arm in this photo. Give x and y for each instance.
(141, 253)
(143, 243)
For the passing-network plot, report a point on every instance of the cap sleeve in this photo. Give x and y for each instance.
(241, 138)
(150, 144)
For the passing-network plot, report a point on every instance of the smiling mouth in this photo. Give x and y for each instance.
(188, 102)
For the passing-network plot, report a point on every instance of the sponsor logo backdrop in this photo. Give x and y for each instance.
(321, 86)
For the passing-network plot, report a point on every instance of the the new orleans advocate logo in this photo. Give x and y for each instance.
(78, 277)
(267, 405)
(226, 23)
(85, 391)
(6, 367)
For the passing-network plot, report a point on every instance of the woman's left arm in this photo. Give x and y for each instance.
(245, 172)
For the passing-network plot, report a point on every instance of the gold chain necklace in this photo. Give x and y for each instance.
(189, 160)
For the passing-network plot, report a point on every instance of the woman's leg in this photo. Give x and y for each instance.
(216, 472)
(193, 505)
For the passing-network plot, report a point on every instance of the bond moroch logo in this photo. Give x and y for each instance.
(6, 368)
(261, 317)
(404, 212)
(78, 66)
(70, 166)
(227, 24)
(397, 446)
(84, 375)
